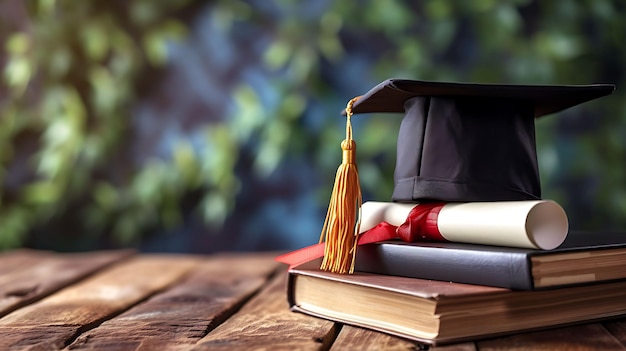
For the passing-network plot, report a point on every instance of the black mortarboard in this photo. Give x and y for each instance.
(469, 142)
(457, 143)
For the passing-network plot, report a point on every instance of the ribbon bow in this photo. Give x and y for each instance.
(420, 225)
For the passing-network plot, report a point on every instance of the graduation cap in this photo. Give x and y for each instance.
(457, 142)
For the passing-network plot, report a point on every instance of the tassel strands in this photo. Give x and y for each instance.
(343, 218)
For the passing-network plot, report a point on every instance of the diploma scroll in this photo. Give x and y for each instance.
(540, 224)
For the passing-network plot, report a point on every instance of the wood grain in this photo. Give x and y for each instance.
(577, 338)
(465, 346)
(353, 338)
(53, 322)
(363, 339)
(100, 301)
(28, 275)
(266, 323)
(16, 259)
(186, 312)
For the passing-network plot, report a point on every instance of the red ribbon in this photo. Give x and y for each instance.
(420, 225)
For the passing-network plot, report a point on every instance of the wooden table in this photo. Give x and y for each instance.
(120, 300)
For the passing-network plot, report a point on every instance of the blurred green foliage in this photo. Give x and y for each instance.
(73, 70)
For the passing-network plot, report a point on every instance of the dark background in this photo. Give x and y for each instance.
(202, 126)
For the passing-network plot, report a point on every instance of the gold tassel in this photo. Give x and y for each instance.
(343, 218)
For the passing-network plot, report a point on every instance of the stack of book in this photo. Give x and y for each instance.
(443, 292)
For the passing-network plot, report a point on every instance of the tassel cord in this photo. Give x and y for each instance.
(343, 218)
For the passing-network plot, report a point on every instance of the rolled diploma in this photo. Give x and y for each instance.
(540, 224)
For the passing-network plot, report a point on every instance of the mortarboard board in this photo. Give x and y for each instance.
(469, 142)
(458, 142)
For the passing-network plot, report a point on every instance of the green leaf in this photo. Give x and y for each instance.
(186, 163)
(17, 72)
(292, 106)
(329, 41)
(13, 226)
(18, 43)
(106, 195)
(438, 9)
(249, 115)
(46, 7)
(272, 148)
(155, 47)
(143, 12)
(42, 192)
(147, 185)
(559, 46)
(303, 64)
(214, 209)
(173, 30)
(277, 55)
(51, 163)
(60, 62)
(106, 94)
(95, 41)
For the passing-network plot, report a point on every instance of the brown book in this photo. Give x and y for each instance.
(438, 312)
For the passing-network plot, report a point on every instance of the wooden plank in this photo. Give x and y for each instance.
(27, 275)
(185, 313)
(266, 323)
(465, 346)
(577, 338)
(54, 321)
(364, 339)
(16, 259)
(353, 338)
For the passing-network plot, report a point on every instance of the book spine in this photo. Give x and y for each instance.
(491, 268)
